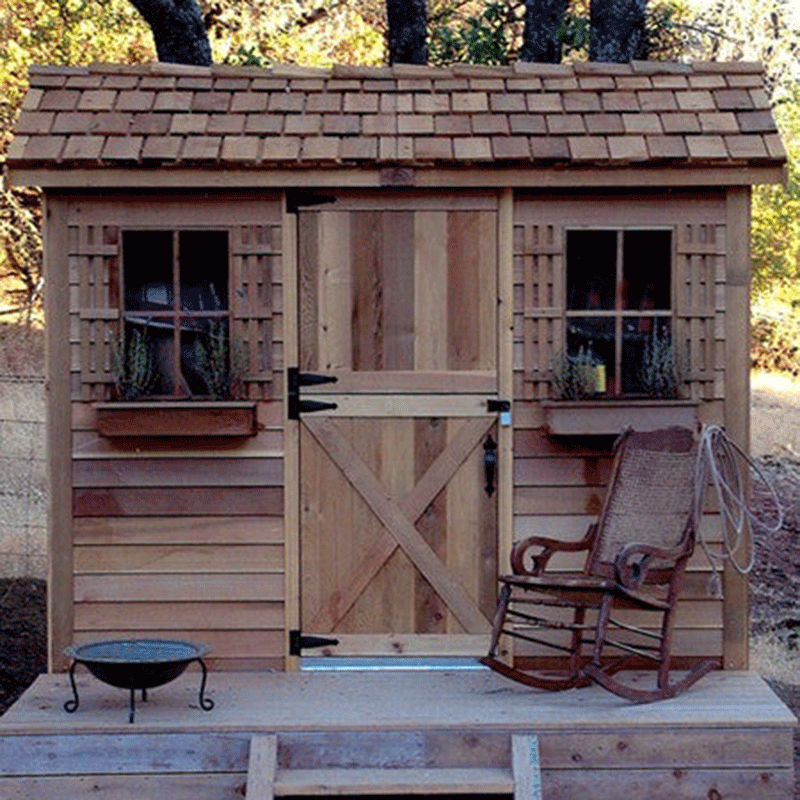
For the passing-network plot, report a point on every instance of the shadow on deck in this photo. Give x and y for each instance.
(381, 733)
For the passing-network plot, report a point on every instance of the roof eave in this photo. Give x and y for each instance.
(285, 175)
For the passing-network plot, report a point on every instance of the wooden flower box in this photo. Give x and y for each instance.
(604, 417)
(181, 418)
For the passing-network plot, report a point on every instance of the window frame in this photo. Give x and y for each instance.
(176, 313)
(619, 313)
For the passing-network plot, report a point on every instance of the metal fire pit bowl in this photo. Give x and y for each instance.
(137, 664)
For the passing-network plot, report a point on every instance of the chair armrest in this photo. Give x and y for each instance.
(635, 560)
(520, 554)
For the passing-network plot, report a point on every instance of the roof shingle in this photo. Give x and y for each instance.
(600, 114)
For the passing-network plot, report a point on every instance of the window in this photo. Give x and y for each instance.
(176, 314)
(619, 309)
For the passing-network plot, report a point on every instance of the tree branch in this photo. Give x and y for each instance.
(178, 30)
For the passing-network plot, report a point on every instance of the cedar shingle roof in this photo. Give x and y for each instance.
(525, 114)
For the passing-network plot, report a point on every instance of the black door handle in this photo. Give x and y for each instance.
(490, 463)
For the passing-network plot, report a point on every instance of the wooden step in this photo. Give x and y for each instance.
(261, 767)
(267, 780)
(467, 780)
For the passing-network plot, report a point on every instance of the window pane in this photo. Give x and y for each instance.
(203, 265)
(592, 339)
(646, 260)
(205, 358)
(591, 269)
(147, 361)
(147, 270)
(649, 361)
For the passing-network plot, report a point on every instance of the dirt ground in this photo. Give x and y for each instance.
(23, 636)
(775, 580)
(774, 415)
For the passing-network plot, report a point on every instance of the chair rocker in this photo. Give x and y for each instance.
(636, 557)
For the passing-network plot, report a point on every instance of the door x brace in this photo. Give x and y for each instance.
(398, 518)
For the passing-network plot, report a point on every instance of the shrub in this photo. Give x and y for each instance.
(775, 341)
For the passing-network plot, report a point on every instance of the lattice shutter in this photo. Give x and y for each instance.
(700, 307)
(540, 300)
(256, 265)
(94, 313)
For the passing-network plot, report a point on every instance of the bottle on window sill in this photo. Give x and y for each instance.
(600, 378)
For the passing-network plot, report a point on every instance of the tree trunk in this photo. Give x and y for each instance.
(540, 42)
(407, 31)
(178, 30)
(617, 29)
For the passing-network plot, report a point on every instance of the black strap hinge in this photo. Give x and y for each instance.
(299, 642)
(498, 406)
(294, 380)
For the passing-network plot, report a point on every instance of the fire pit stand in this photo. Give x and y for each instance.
(137, 664)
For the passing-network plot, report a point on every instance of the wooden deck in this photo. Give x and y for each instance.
(396, 732)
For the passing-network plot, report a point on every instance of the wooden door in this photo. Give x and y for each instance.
(398, 534)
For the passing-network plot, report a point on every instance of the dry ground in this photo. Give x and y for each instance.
(775, 415)
(775, 581)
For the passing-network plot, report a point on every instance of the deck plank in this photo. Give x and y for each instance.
(394, 700)
(390, 732)
(393, 781)
(198, 786)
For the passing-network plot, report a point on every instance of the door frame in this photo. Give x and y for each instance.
(291, 357)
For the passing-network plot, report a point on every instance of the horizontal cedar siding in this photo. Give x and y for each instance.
(180, 538)
(178, 501)
(182, 546)
(560, 483)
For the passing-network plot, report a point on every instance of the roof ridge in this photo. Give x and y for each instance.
(56, 69)
(356, 72)
(536, 68)
(294, 71)
(730, 67)
(661, 67)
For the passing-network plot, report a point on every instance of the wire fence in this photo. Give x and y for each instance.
(23, 481)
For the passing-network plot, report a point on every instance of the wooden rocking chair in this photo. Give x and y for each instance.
(636, 556)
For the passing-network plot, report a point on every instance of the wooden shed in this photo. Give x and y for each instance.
(443, 242)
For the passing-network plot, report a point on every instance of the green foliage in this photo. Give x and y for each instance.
(659, 372)
(487, 38)
(776, 211)
(21, 254)
(492, 33)
(574, 34)
(663, 32)
(767, 31)
(662, 39)
(223, 368)
(134, 365)
(69, 32)
(775, 338)
(265, 32)
(574, 377)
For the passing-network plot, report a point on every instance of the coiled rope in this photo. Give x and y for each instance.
(719, 463)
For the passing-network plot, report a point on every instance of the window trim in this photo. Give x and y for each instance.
(618, 314)
(176, 313)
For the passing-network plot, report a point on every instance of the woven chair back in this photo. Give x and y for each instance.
(651, 496)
